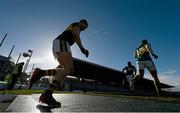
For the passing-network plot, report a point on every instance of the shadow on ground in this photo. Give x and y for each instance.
(43, 108)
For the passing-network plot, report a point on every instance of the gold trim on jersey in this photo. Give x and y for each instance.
(70, 27)
(141, 50)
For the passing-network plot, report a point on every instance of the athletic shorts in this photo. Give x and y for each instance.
(129, 77)
(60, 46)
(141, 65)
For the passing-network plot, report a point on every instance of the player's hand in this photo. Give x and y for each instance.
(85, 52)
(155, 56)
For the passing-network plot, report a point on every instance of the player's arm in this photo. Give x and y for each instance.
(76, 34)
(77, 39)
(135, 55)
(148, 46)
(124, 69)
(134, 70)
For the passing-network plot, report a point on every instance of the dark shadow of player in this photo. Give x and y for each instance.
(43, 108)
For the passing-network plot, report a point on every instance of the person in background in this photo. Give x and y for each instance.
(129, 71)
(16, 73)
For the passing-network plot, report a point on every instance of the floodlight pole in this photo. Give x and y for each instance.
(3, 40)
(11, 51)
(27, 62)
(18, 58)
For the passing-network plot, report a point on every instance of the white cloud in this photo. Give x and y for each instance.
(177, 88)
(168, 72)
(168, 77)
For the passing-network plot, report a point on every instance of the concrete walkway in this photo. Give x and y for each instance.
(92, 103)
(5, 101)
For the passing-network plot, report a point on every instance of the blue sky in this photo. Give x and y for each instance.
(116, 28)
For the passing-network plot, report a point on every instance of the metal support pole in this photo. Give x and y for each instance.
(3, 40)
(11, 51)
(18, 58)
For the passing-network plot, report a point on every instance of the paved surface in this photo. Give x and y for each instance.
(90, 103)
(5, 101)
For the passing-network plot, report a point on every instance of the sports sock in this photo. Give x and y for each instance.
(54, 85)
